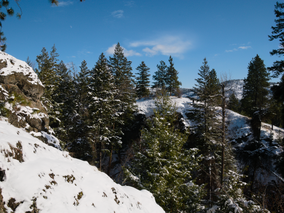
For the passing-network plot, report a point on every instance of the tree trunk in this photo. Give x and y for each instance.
(223, 133)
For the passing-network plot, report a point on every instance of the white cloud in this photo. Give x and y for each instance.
(166, 45)
(233, 50)
(244, 47)
(129, 3)
(236, 49)
(126, 52)
(117, 13)
(64, 3)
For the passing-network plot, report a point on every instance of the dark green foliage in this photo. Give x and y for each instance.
(277, 33)
(47, 73)
(255, 101)
(4, 11)
(171, 78)
(234, 103)
(160, 76)
(64, 97)
(142, 80)
(161, 164)
(105, 119)
(79, 146)
(123, 80)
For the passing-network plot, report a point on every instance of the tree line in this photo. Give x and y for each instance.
(191, 169)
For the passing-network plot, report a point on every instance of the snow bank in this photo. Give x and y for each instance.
(41, 177)
(13, 65)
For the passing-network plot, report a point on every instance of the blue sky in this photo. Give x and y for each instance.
(228, 33)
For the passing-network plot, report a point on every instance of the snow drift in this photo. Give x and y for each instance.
(35, 177)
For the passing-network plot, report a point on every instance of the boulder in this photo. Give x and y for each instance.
(20, 93)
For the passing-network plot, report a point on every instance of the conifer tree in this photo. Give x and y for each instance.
(234, 103)
(47, 73)
(64, 97)
(207, 129)
(162, 165)
(171, 78)
(142, 80)
(79, 146)
(123, 79)
(105, 120)
(255, 93)
(160, 76)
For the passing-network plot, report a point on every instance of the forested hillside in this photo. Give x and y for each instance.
(109, 137)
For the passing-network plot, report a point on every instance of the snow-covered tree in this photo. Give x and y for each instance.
(47, 73)
(162, 165)
(105, 118)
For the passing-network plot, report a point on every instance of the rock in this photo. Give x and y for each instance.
(20, 93)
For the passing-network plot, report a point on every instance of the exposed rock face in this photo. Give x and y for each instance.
(20, 92)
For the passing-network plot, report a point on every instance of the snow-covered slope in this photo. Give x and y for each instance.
(238, 128)
(38, 176)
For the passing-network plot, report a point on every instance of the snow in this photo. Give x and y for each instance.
(17, 66)
(58, 182)
(238, 127)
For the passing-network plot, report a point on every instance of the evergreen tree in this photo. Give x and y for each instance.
(214, 86)
(47, 73)
(234, 103)
(123, 81)
(171, 78)
(255, 93)
(277, 33)
(79, 146)
(160, 76)
(207, 129)
(142, 80)
(64, 97)
(162, 165)
(105, 120)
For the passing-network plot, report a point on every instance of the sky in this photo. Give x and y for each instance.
(228, 33)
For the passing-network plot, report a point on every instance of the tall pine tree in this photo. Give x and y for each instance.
(255, 93)
(171, 78)
(207, 129)
(47, 73)
(159, 78)
(142, 80)
(105, 119)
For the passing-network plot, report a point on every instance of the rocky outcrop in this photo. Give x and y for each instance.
(20, 93)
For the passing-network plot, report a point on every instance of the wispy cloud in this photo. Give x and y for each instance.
(244, 47)
(165, 45)
(117, 13)
(63, 3)
(126, 52)
(236, 49)
(129, 3)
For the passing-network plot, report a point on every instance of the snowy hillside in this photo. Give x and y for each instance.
(35, 176)
(238, 129)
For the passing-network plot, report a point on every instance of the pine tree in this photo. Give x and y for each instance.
(105, 119)
(123, 78)
(234, 103)
(207, 129)
(64, 97)
(255, 93)
(142, 80)
(277, 33)
(79, 146)
(162, 165)
(47, 73)
(159, 77)
(171, 79)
